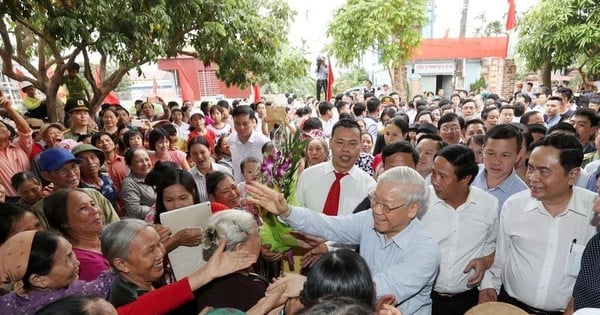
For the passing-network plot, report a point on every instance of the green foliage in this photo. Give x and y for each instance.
(562, 32)
(390, 27)
(478, 85)
(487, 29)
(246, 40)
(350, 79)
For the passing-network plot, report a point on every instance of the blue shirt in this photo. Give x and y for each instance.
(510, 186)
(405, 265)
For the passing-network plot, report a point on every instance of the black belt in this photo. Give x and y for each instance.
(505, 297)
(455, 295)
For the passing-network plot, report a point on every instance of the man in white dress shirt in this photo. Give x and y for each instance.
(315, 182)
(245, 141)
(463, 219)
(543, 232)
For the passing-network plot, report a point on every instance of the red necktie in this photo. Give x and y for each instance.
(332, 202)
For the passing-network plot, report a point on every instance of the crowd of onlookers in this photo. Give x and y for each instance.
(430, 205)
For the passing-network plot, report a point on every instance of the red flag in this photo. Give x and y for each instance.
(330, 79)
(187, 94)
(256, 92)
(511, 18)
(112, 97)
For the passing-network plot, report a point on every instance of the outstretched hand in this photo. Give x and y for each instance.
(268, 199)
(222, 263)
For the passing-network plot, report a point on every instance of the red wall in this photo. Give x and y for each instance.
(191, 66)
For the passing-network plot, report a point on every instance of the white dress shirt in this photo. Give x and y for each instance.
(183, 131)
(463, 234)
(314, 184)
(240, 151)
(533, 247)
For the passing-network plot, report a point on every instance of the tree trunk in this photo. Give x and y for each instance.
(546, 73)
(459, 75)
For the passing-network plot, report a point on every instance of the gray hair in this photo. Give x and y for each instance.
(415, 188)
(235, 226)
(117, 238)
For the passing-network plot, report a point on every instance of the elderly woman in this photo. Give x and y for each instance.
(315, 152)
(240, 231)
(44, 269)
(138, 196)
(136, 256)
(29, 188)
(76, 216)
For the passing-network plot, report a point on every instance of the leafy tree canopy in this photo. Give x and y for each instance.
(556, 34)
(390, 27)
(243, 38)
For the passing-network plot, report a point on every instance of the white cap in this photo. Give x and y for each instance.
(26, 84)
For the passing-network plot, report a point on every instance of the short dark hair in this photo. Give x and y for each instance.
(340, 273)
(474, 121)
(156, 135)
(345, 123)
(130, 153)
(565, 92)
(571, 151)
(462, 159)
(243, 110)
(358, 109)
(525, 117)
(451, 117)
(554, 98)
(435, 137)
(373, 104)
(324, 107)
(155, 175)
(312, 123)
(562, 126)
(400, 147)
(506, 107)
(486, 111)
(505, 131)
(197, 140)
(130, 133)
(591, 115)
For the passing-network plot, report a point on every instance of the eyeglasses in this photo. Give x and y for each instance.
(385, 208)
(68, 168)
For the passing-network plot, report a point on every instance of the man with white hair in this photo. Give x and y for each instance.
(402, 255)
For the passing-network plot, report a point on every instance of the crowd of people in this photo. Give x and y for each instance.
(431, 205)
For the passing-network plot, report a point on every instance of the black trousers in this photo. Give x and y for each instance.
(321, 86)
(504, 297)
(456, 304)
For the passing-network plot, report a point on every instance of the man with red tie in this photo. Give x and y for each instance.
(337, 186)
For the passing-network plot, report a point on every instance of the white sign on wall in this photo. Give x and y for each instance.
(434, 68)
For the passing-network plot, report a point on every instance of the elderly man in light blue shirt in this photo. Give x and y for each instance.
(403, 257)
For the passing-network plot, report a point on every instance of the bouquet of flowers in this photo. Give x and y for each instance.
(278, 171)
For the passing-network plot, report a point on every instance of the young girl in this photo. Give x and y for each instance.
(198, 128)
(160, 144)
(218, 127)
